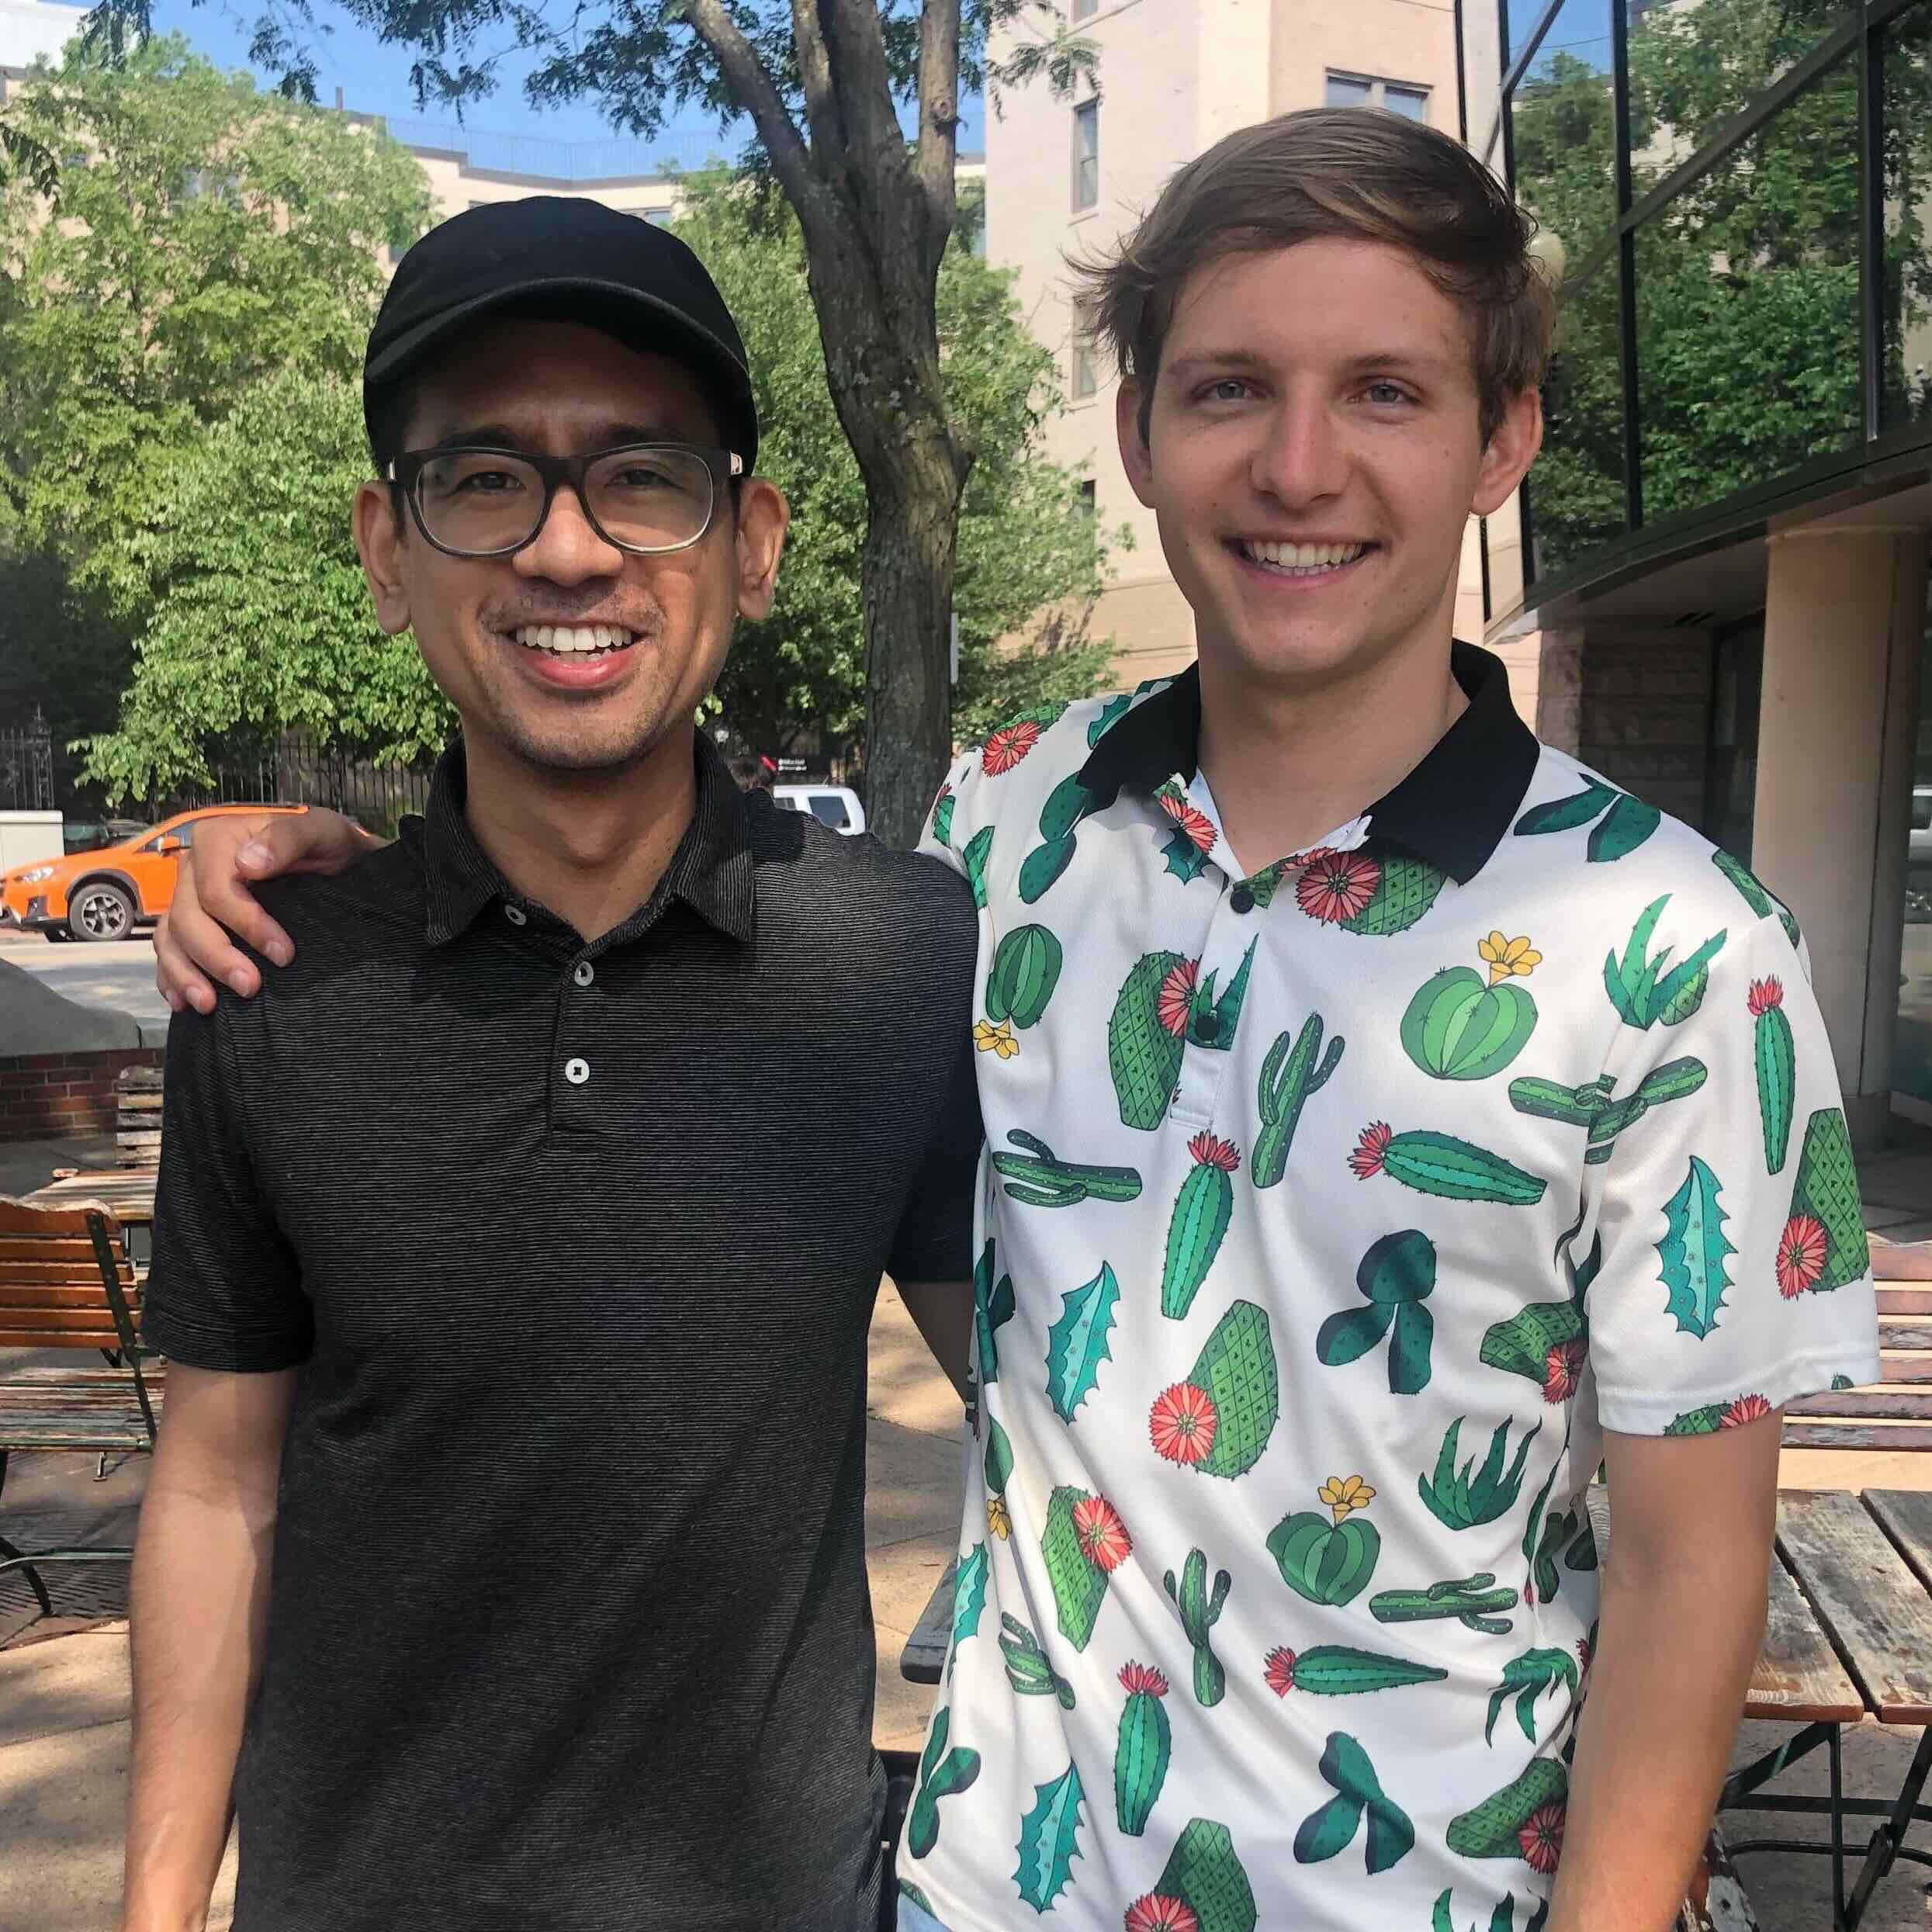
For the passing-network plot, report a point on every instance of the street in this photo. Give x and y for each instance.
(118, 975)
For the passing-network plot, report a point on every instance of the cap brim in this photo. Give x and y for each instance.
(639, 319)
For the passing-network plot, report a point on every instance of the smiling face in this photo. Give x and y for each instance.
(571, 654)
(1314, 452)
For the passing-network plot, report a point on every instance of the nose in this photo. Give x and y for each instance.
(567, 549)
(1302, 458)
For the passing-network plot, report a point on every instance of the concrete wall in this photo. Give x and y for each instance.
(1644, 718)
(27, 835)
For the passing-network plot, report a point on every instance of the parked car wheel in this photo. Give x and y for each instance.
(56, 935)
(101, 910)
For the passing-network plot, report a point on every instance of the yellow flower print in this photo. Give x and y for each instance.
(1509, 958)
(991, 1039)
(997, 1520)
(1345, 1495)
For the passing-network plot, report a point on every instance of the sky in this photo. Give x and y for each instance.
(373, 79)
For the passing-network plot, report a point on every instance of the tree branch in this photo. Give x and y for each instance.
(757, 94)
(857, 51)
(820, 93)
(939, 115)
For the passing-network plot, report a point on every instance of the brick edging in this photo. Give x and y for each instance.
(44, 1095)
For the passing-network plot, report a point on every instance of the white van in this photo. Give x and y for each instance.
(836, 805)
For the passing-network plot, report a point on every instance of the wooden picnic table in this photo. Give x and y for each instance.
(1847, 1640)
(129, 1191)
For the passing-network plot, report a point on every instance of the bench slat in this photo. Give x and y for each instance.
(1904, 1401)
(1905, 1365)
(61, 1338)
(51, 1248)
(33, 1435)
(1874, 1608)
(1906, 1516)
(1894, 1300)
(1798, 1678)
(1905, 1335)
(1878, 1434)
(88, 1320)
(25, 1272)
(77, 1296)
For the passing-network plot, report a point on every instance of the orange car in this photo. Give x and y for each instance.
(107, 893)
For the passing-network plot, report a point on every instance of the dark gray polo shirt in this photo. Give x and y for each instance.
(576, 1247)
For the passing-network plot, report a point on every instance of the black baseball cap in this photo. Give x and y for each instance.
(565, 259)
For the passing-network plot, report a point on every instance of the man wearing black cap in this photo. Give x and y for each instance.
(504, 1312)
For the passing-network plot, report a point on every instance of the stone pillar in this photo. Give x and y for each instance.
(1843, 612)
(1559, 720)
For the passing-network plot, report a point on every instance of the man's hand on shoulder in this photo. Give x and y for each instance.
(214, 904)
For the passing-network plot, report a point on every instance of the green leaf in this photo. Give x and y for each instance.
(1347, 1336)
(1049, 1840)
(1566, 814)
(1076, 1344)
(1624, 827)
(969, 1594)
(1693, 1251)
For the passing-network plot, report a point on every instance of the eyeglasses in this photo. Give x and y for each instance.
(646, 498)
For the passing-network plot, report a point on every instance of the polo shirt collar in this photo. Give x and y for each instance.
(1453, 809)
(711, 871)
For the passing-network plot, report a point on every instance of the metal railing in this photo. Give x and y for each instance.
(26, 767)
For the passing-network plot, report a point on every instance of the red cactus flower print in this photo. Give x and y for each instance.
(1104, 1538)
(1336, 885)
(1747, 1408)
(1366, 1162)
(1561, 1367)
(1183, 1423)
(1142, 1680)
(1541, 1838)
(1159, 1912)
(1801, 1255)
(1280, 1673)
(1176, 996)
(1195, 822)
(1583, 1653)
(1210, 1152)
(1764, 995)
(1007, 746)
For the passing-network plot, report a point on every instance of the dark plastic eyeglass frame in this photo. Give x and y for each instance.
(406, 473)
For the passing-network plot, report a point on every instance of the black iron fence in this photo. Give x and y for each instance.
(26, 767)
(297, 771)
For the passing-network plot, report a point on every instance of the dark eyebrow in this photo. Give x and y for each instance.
(1238, 361)
(605, 436)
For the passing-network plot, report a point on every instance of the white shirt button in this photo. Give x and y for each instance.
(583, 972)
(577, 1072)
(516, 915)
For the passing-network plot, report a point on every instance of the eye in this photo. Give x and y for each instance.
(1226, 389)
(488, 482)
(1385, 394)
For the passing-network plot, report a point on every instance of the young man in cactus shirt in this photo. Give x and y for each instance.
(1390, 1121)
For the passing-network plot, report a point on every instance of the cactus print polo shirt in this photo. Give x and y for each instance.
(1332, 1212)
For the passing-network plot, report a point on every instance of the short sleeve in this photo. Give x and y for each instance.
(1729, 1273)
(225, 1291)
(948, 828)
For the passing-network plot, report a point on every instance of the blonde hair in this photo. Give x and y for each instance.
(1348, 173)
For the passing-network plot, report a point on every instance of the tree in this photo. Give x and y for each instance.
(824, 83)
(1747, 281)
(189, 236)
(1030, 556)
(254, 617)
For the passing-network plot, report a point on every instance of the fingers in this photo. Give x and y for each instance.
(193, 953)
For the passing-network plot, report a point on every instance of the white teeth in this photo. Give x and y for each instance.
(1302, 557)
(570, 640)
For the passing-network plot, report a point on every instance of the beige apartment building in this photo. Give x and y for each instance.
(1066, 178)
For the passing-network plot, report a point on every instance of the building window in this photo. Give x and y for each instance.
(1089, 494)
(1083, 9)
(1086, 155)
(1085, 377)
(1361, 90)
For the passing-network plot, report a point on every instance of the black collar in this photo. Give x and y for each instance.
(711, 871)
(1453, 809)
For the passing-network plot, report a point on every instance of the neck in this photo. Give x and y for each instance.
(1290, 763)
(590, 846)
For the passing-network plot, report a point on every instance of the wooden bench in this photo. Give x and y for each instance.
(1896, 1411)
(66, 1283)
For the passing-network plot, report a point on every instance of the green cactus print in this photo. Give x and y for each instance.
(1193, 838)
(978, 850)
(1076, 1344)
(1544, 1343)
(999, 1461)
(1218, 1422)
(1460, 1028)
(1619, 831)
(1823, 1244)
(1145, 1745)
(1203, 1876)
(1329, 1831)
(969, 1599)
(1524, 1820)
(1714, 1416)
(1084, 1541)
(1693, 1252)
(942, 1774)
(1334, 1670)
(1038, 1178)
(1025, 969)
(1405, 889)
(1111, 713)
(1457, 1501)
(1567, 1531)
(1146, 1036)
(1776, 1057)
(1594, 1105)
(1050, 1840)
(1754, 894)
(1534, 1675)
(1027, 1668)
(1440, 1165)
(992, 1308)
(1503, 1919)
(1199, 1223)
(1330, 1559)
(1199, 1613)
(908, 1891)
(1289, 1077)
(1067, 804)
(1644, 987)
(1212, 1019)
(1476, 1602)
(1397, 1275)
(942, 825)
